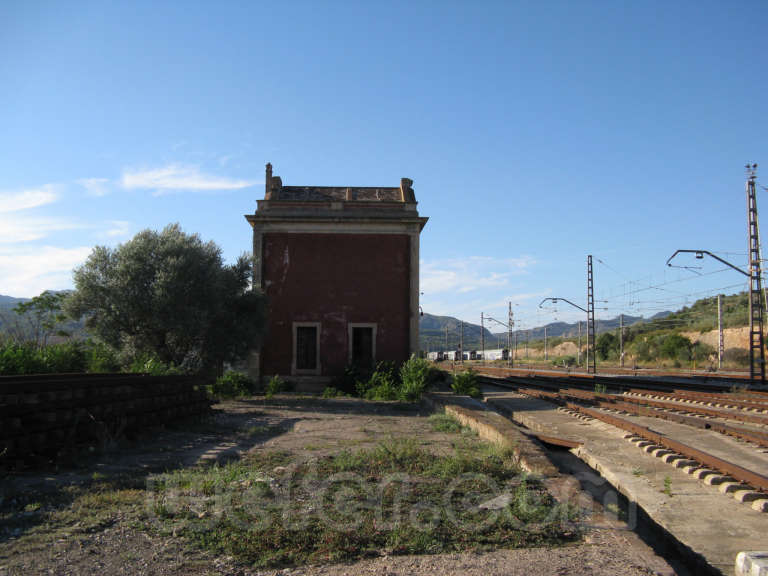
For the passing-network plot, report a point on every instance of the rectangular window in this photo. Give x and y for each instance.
(362, 346)
(306, 348)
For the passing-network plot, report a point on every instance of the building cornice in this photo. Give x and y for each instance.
(346, 223)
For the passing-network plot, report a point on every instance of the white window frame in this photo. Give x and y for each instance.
(318, 369)
(350, 331)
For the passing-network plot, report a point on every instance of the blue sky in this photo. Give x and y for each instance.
(535, 132)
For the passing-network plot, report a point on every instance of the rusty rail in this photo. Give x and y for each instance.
(757, 481)
(727, 401)
(739, 473)
(613, 402)
(742, 433)
(695, 409)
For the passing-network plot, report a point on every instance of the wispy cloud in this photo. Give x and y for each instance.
(95, 186)
(13, 201)
(118, 228)
(26, 271)
(21, 228)
(178, 178)
(462, 275)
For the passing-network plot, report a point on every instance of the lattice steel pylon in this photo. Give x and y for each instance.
(591, 364)
(756, 348)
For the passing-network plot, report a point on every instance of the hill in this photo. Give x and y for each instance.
(8, 302)
(432, 331)
(700, 316)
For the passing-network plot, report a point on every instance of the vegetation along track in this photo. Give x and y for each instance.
(696, 404)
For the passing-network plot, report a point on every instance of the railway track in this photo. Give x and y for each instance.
(620, 380)
(633, 404)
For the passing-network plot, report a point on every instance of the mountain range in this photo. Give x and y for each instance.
(432, 331)
(432, 328)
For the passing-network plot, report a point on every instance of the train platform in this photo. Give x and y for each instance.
(705, 523)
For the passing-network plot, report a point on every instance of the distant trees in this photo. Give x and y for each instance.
(670, 346)
(38, 319)
(168, 295)
(36, 338)
(607, 346)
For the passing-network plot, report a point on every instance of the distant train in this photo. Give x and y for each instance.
(497, 354)
(455, 355)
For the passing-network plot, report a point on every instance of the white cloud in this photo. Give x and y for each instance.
(462, 275)
(118, 228)
(26, 271)
(95, 186)
(179, 177)
(25, 199)
(25, 229)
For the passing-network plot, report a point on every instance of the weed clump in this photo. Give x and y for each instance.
(465, 384)
(332, 392)
(396, 497)
(276, 385)
(387, 383)
(232, 384)
(444, 423)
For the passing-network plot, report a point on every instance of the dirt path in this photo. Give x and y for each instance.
(91, 518)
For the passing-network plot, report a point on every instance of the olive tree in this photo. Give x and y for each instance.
(169, 294)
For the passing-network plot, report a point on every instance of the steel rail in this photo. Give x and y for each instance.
(696, 409)
(648, 379)
(743, 396)
(556, 385)
(757, 481)
(739, 473)
(752, 436)
(704, 397)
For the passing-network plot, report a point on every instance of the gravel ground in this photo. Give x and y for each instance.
(120, 545)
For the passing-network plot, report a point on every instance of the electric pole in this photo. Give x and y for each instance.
(578, 360)
(461, 343)
(720, 341)
(756, 349)
(446, 338)
(510, 322)
(621, 340)
(482, 335)
(591, 364)
(546, 352)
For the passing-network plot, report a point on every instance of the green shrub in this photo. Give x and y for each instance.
(65, 357)
(150, 364)
(676, 347)
(388, 383)
(701, 351)
(382, 385)
(276, 385)
(414, 375)
(465, 384)
(332, 392)
(55, 358)
(443, 422)
(102, 358)
(20, 359)
(232, 384)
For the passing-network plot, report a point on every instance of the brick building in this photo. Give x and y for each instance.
(340, 269)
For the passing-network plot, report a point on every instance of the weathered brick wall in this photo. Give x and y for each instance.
(336, 279)
(42, 414)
